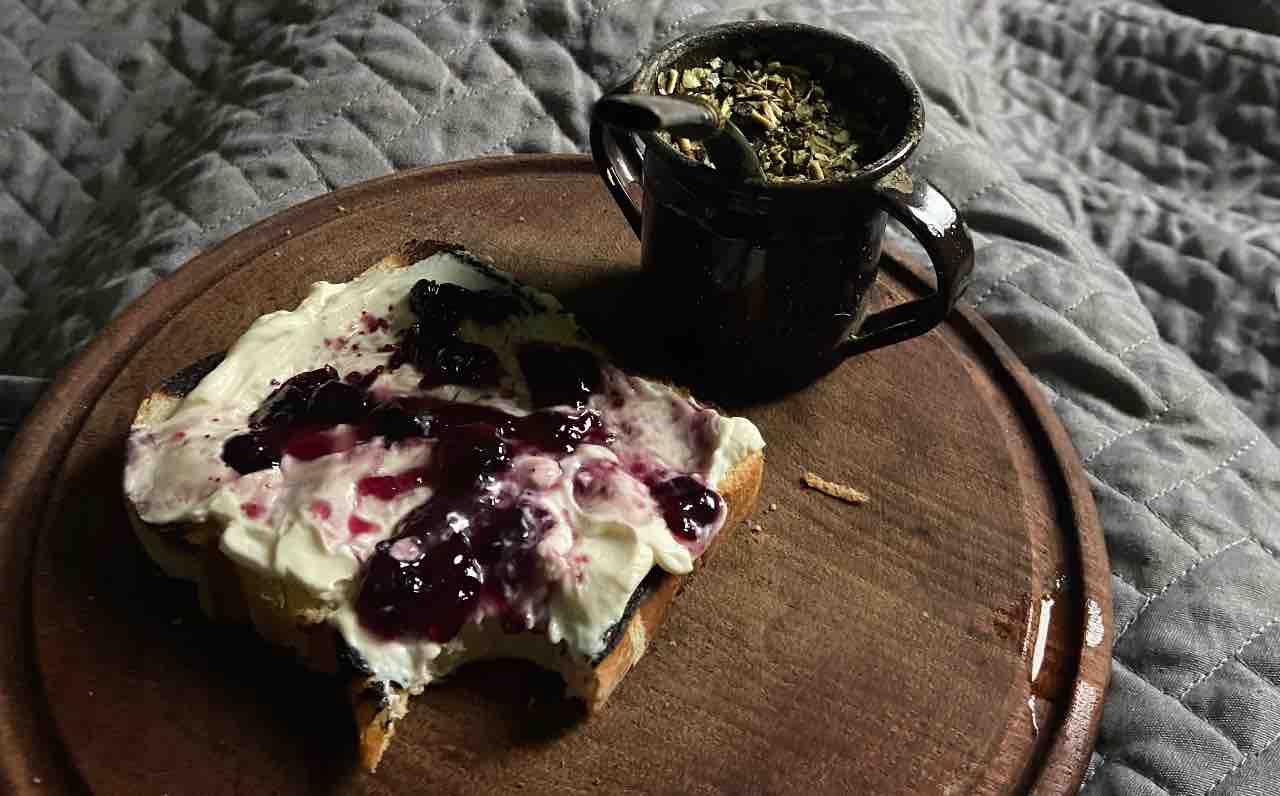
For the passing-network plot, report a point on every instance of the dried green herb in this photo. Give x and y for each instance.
(783, 110)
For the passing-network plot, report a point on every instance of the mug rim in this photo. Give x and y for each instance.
(742, 30)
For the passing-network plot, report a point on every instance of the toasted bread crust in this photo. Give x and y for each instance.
(191, 552)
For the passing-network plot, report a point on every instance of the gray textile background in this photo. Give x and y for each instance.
(1119, 162)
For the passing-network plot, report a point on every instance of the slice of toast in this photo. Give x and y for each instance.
(290, 618)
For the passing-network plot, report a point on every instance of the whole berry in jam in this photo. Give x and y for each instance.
(431, 596)
(689, 507)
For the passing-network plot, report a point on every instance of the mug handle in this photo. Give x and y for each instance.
(619, 163)
(935, 222)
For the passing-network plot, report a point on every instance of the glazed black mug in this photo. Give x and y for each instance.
(761, 282)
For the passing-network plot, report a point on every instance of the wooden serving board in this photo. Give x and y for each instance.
(952, 635)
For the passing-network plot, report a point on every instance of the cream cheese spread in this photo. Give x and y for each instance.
(331, 513)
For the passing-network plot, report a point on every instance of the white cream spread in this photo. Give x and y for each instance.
(306, 524)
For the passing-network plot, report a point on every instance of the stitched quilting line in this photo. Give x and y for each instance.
(126, 93)
(1063, 24)
(475, 89)
(937, 152)
(237, 213)
(272, 151)
(1102, 291)
(1264, 678)
(1239, 650)
(1212, 266)
(50, 98)
(1191, 480)
(446, 100)
(1175, 300)
(1213, 728)
(506, 142)
(964, 203)
(1161, 22)
(193, 84)
(986, 294)
(1126, 581)
(1206, 720)
(1146, 103)
(542, 106)
(23, 207)
(1151, 598)
(1083, 331)
(1139, 342)
(1099, 479)
(49, 157)
(1134, 769)
(289, 139)
(1152, 191)
(1091, 455)
(1062, 16)
(1098, 147)
(413, 26)
(1159, 195)
(315, 166)
(1249, 536)
(1056, 230)
(55, 93)
(1241, 763)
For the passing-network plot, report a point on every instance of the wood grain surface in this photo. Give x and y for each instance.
(890, 647)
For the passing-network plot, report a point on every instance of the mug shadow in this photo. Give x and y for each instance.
(623, 310)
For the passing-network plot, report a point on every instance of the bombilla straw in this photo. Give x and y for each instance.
(730, 152)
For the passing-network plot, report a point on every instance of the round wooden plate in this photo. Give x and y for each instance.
(952, 635)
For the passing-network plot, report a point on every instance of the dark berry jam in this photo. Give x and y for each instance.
(390, 487)
(470, 549)
(299, 416)
(250, 452)
(559, 375)
(689, 507)
(359, 525)
(312, 443)
(431, 343)
(420, 588)
(452, 361)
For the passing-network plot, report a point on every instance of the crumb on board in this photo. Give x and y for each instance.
(773, 507)
(839, 491)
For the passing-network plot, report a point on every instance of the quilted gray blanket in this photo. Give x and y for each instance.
(1118, 161)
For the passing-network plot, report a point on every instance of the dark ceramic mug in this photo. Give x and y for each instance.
(767, 282)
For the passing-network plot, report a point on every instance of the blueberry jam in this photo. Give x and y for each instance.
(492, 537)
(470, 549)
(299, 417)
(688, 507)
(559, 375)
(456, 553)
(431, 344)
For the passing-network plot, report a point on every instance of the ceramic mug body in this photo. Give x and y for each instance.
(767, 283)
